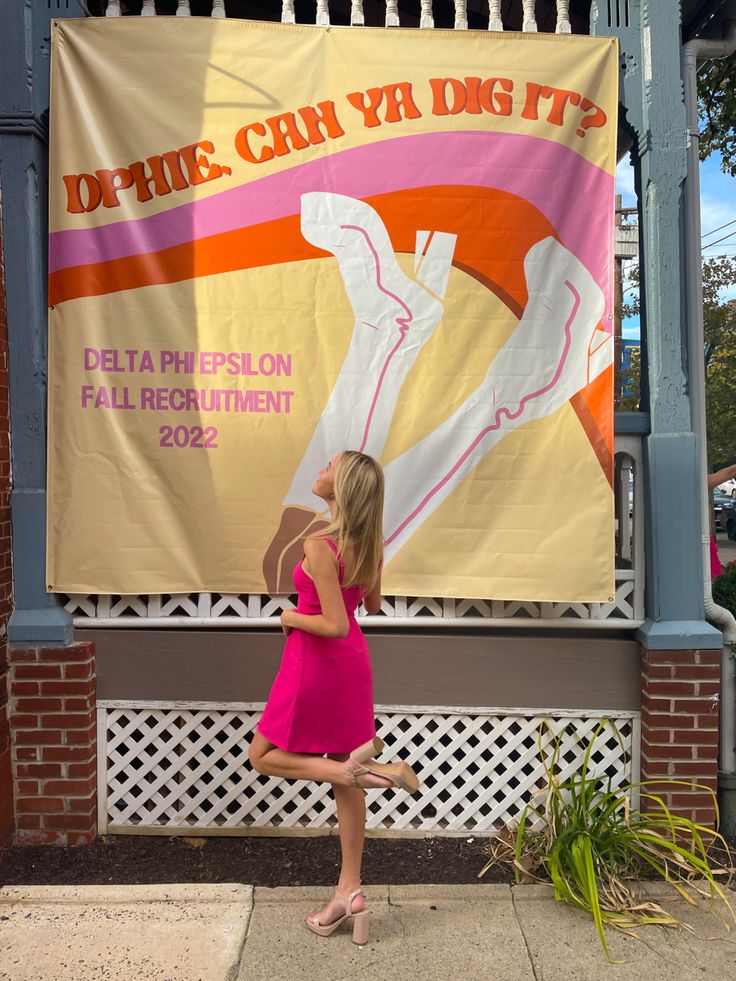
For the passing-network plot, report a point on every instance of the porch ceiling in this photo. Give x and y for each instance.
(705, 18)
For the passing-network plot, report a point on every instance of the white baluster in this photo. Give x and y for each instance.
(461, 15)
(182, 8)
(218, 8)
(530, 21)
(357, 18)
(113, 9)
(392, 13)
(426, 19)
(287, 12)
(495, 22)
(149, 8)
(323, 14)
(563, 17)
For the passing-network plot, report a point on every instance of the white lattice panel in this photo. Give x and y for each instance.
(179, 769)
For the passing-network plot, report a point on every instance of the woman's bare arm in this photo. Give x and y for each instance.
(323, 570)
(721, 476)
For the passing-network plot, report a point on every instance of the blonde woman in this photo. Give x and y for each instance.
(319, 721)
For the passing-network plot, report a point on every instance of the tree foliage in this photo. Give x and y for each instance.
(631, 383)
(719, 327)
(717, 108)
(719, 321)
(717, 105)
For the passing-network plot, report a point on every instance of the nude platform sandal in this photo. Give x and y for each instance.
(368, 750)
(360, 920)
(400, 774)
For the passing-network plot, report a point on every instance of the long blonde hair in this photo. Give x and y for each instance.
(358, 516)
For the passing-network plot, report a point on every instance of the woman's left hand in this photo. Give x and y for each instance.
(286, 626)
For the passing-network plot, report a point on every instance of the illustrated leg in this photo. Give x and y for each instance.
(554, 352)
(287, 546)
(394, 317)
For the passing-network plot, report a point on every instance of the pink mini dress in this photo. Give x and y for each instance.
(322, 698)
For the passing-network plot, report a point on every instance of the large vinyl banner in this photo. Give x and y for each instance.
(270, 243)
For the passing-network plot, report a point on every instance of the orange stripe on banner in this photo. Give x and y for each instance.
(598, 397)
(244, 248)
(494, 229)
(510, 226)
(590, 424)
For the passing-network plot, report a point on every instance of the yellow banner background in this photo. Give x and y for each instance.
(533, 518)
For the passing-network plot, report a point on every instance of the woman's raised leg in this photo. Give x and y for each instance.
(274, 762)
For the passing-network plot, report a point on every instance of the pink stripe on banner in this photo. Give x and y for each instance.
(574, 195)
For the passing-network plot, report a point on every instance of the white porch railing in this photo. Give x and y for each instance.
(259, 610)
(115, 8)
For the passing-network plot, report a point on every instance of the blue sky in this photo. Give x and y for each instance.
(718, 207)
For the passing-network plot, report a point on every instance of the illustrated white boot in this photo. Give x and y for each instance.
(394, 317)
(554, 352)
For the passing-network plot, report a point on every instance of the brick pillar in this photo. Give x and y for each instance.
(679, 727)
(54, 744)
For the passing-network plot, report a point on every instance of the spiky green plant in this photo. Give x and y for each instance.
(585, 836)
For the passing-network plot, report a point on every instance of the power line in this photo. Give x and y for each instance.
(719, 228)
(710, 245)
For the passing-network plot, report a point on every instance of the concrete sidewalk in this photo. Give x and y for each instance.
(235, 933)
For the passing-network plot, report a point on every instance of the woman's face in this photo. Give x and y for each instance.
(325, 483)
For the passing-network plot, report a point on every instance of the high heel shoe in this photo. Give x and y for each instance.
(400, 774)
(368, 750)
(360, 920)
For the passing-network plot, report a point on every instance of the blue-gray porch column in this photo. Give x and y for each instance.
(38, 617)
(651, 93)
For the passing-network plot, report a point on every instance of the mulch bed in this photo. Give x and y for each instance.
(261, 861)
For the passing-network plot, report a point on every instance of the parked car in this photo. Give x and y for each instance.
(728, 487)
(724, 510)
